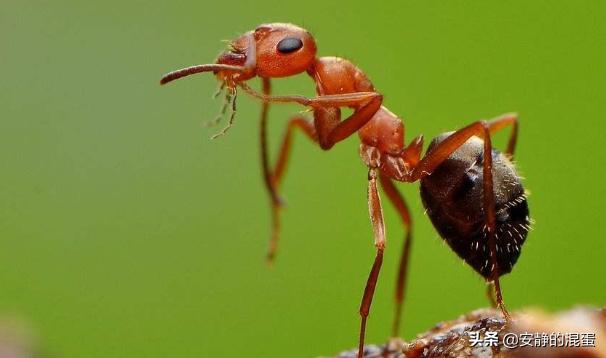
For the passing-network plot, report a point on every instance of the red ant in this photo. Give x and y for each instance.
(471, 191)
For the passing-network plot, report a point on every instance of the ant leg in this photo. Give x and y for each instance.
(306, 127)
(502, 121)
(270, 185)
(494, 125)
(490, 294)
(272, 178)
(329, 127)
(353, 99)
(280, 167)
(440, 153)
(353, 123)
(378, 226)
(398, 202)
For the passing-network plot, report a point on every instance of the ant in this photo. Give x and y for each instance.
(471, 191)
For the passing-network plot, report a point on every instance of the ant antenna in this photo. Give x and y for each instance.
(214, 67)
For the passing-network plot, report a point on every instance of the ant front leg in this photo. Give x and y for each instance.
(399, 203)
(378, 227)
(327, 115)
(443, 150)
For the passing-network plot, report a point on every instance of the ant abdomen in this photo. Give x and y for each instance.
(453, 198)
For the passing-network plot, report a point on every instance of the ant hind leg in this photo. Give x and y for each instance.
(490, 294)
(443, 150)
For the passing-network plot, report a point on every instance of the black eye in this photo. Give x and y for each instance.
(289, 44)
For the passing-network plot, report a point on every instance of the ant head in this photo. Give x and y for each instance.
(283, 50)
(271, 50)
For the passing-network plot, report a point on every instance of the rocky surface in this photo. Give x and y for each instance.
(577, 333)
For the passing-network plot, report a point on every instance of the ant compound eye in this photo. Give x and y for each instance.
(289, 44)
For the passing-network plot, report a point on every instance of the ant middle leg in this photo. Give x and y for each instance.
(378, 226)
(399, 203)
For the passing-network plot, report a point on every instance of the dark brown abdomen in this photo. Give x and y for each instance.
(453, 198)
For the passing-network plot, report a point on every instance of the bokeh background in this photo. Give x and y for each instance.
(126, 232)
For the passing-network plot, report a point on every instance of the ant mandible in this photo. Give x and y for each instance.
(471, 191)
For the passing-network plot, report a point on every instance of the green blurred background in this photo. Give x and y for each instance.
(126, 232)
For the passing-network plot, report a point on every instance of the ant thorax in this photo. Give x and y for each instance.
(453, 197)
(335, 75)
(383, 145)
